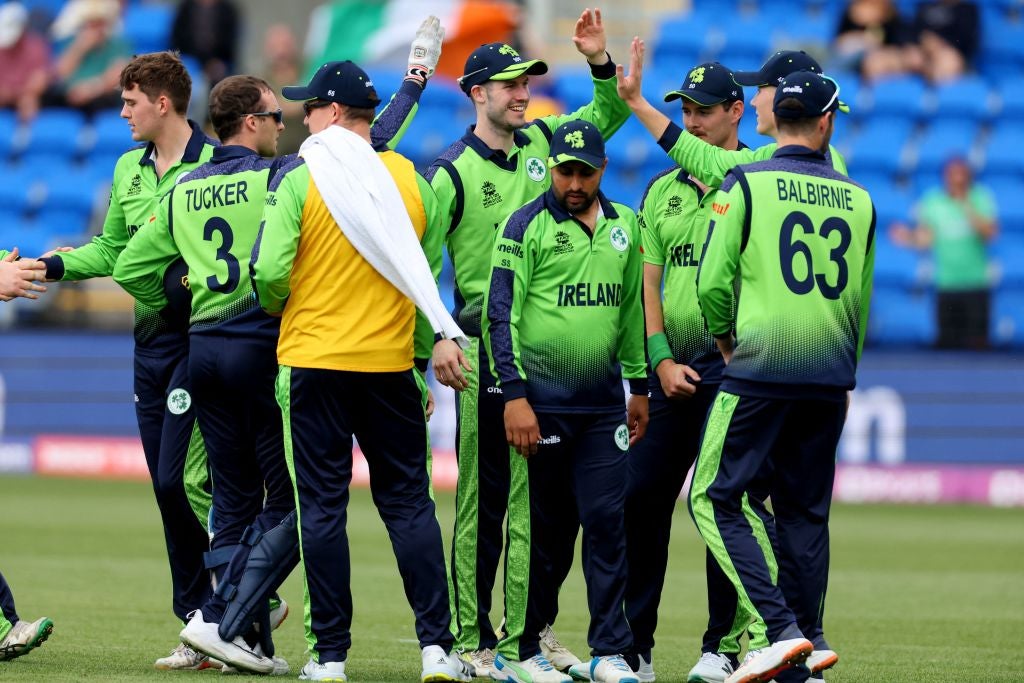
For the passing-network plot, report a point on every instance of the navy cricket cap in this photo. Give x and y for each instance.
(707, 84)
(577, 140)
(497, 62)
(778, 66)
(341, 82)
(816, 93)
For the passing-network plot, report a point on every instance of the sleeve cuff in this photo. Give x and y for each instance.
(421, 364)
(54, 267)
(658, 349)
(603, 72)
(670, 137)
(638, 386)
(412, 88)
(513, 390)
(438, 337)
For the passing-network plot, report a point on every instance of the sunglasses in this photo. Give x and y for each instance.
(310, 105)
(277, 115)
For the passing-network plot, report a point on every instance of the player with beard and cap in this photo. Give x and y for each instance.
(495, 168)
(564, 325)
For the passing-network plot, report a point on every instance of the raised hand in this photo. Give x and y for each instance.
(589, 37)
(425, 50)
(628, 85)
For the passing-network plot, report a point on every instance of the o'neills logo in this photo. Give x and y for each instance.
(793, 88)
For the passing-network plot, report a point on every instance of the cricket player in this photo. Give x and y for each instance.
(155, 89)
(711, 163)
(497, 167)
(346, 370)
(796, 239)
(564, 326)
(17, 637)
(211, 219)
(685, 371)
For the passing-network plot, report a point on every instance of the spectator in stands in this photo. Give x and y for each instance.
(283, 67)
(89, 67)
(949, 32)
(208, 30)
(25, 56)
(874, 39)
(956, 221)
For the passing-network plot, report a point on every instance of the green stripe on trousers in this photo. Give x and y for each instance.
(517, 556)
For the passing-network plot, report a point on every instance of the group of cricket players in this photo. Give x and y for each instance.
(285, 306)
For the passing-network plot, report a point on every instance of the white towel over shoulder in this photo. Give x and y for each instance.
(364, 201)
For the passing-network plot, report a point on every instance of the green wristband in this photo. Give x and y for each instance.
(658, 349)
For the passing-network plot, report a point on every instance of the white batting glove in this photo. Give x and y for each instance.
(425, 51)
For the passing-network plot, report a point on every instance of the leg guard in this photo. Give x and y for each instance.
(271, 556)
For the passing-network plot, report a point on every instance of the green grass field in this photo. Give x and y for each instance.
(917, 594)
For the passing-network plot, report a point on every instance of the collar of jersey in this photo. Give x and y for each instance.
(801, 152)
(193, 150)
(519, 139)
(226, 152)
(561, 215)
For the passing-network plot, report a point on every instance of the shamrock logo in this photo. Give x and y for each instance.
(536, 169)
(506, 50)
(575, 139)
(178, 401)
(697, 75)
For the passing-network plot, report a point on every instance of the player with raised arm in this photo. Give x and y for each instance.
(496, 167)
(706, 162)
(564, 326)
(792, 241)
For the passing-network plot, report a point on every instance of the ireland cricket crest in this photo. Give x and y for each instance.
(622, 438)
(619, 238)
(536, 169)
(178, 401)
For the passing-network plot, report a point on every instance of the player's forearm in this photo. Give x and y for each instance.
(146, 288)
(608, 111)
(705, 162)
(716, 306)
(653, 120)
(391, 123)
(95, 259)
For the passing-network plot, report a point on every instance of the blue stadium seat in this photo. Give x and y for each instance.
(109, 134)
(749, 35)
(1008, 253)
(879, 145)
(55, 131)
(1008, 190)
(1008, 317)
(899, 317)
(632, 147)
(681, 39)
(895, 265)
(430, 133)
(904, 96)
(1011, 92)
(19, 190)
(65, 227)
(969, 97)
(1002, 151)
(25, 235)
(574, 87)
(8, 126)
(625, 187)
(76, 192)
(943, 140)
(1003, 46)
(45, 166)
(148, 27)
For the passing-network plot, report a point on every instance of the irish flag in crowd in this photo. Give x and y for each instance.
(378, 32)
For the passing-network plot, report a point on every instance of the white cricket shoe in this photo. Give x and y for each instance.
(278, 614)
(556, 653)
(439, 666)
(645, 674)
(324, 671)
(771, 660)
(536, 669)
(821, 660)
(24, 637)
(710, 668)
(611, 669)
(203, 636)
(481, 661)
(280, 665)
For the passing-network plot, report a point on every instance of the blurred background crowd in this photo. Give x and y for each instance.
(936, 91)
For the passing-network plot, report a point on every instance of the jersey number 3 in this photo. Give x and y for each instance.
(792, 247)
(227, 238)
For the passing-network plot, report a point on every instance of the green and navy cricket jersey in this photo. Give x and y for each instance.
(709, 164)
(478, 187)
(211, 219)
(673, 219)
(565, 319)
(133, 198)
(795, 240)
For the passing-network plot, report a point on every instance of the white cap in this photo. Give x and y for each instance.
(13, 17)
(79, 12)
